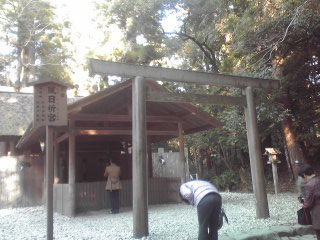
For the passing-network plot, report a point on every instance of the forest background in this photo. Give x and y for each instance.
(277, 39)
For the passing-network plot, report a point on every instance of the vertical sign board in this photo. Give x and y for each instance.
(50, 105)
(50, 109)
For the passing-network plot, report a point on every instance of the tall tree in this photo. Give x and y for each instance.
(281, 39)
(34, 41)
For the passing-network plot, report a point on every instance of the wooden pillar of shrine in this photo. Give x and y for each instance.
(139, 159)
(181, 154)
(72, 170)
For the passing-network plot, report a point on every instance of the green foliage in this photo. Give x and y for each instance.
(283, 42)
(227, 181)
(139, 19)
(38, 47)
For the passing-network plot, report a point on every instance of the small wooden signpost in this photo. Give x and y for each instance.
(272, 159)
(50, 109)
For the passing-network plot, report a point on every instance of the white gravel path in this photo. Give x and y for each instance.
(166, 222)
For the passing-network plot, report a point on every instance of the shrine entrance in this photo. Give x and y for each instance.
(100, 126)
(140, 95)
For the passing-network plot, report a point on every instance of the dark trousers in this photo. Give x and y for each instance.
(318, 234)
(114, 201)
(209, 209)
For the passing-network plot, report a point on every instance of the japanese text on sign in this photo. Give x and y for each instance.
(50, 105)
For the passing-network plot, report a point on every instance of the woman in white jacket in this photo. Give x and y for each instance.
(207, 199)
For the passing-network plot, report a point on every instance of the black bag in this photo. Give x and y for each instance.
(221, 216)
(304, 216)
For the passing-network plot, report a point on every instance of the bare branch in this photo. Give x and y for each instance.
(208, 52)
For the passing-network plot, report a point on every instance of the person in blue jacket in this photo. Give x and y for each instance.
(206, 198)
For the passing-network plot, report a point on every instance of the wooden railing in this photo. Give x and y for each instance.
(93, 196)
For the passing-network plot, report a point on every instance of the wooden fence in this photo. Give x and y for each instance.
(93, 196)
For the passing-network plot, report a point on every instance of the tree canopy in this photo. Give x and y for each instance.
(34, 42)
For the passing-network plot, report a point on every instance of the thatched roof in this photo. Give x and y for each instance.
(16, 113)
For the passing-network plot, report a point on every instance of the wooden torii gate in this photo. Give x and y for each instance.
(139, 98)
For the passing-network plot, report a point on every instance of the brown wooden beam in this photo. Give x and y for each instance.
(202, 115)
(153, 96)
(62, 138)
(120, 118)
(174, 75)
(122, 132)
(198, 129)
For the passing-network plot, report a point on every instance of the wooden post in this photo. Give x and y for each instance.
(56, 160)
(181, 154)
(3, 149)
(72, 170)
(139, 160)
(275, 176)
(252, 163)
(12, 147)
(50, 109)
(44, 184)
(262, 209)
(149, 163)
(49, 181)
(187, 164)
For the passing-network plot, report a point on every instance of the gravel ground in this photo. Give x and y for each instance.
(166, 222)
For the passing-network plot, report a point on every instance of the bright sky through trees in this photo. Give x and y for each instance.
(86, 36)
(84, 33)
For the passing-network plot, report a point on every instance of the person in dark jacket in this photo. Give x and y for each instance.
(312, 195)
(207, 199)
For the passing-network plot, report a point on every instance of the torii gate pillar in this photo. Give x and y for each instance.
(139, 159)
(257, 173)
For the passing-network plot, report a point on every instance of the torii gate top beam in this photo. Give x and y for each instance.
(174, 75)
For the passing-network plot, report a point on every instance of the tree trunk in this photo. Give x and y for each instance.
(241, 157)
(199, 163)
(295, 153)
(25, 53)
(224, 157)
(208, 161)
(294, 150)
(289, 165)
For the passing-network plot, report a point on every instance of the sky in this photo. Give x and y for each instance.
(83, 29)
(85, 34)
